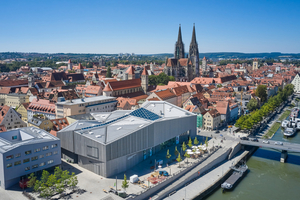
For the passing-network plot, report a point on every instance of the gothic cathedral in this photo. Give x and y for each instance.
(182, 68)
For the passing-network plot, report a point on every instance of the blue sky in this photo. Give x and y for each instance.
(146, 27)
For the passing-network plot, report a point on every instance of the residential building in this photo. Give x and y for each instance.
(58, 124)
(163, 95)
(117, 141)
(85, 105)
(22, 110)
(10, 118)
(211, 120)
(234, 111)
(41, 107)
(41, 122)
(15, 99)
(25, 151)
(224, 110)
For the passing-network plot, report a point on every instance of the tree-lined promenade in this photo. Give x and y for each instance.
(255, 117)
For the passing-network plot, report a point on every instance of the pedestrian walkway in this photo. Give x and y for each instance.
(204, 183)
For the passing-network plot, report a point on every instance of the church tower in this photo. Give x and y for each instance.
(70, 66)
(194, 54)
(31, 79)
(179, 46)
(255, 64)
(144, 80)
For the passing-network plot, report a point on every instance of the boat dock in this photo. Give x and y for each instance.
(208, 182)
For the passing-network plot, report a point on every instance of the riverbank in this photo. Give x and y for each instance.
(210, 181)
(276, 125)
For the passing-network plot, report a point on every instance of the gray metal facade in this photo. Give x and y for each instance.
(122, 153)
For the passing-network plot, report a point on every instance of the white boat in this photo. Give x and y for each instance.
(289, 131)
(298, 126)
(285, 123)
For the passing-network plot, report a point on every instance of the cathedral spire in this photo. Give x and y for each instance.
(194, 35)
(179, 46)
(179, 40)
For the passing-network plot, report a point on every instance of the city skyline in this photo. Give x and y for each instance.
(148, 27)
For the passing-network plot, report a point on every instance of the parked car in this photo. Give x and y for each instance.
(217, 131)
(278, 143)
(254, 139)
(244, 138)
(265, 141)
(163, 173)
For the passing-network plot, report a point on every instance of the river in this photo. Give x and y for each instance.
(268, 178)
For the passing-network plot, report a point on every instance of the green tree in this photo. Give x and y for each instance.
(176, 152)
(58, 172)
(219, 85)
(186, 155)
(37, 186)
(168, 156)
(60, 188)
(179, 159)
(190, 144)
(206, 142)
(152, 80)
(73, 181)
(46, 192)
(125, 183)
(261, 92)
(108, 72)
(196, 142)
(183, 147)
(51, 180)
(32, 180)
(252, 104)
(64, 176)
(45, 176)
(171, 78)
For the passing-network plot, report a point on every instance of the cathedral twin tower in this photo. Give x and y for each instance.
(182, 68)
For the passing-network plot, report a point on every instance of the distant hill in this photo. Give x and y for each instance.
(161, 56)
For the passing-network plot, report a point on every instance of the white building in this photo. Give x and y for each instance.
(85, 105)
(24, 151)
(296, 83)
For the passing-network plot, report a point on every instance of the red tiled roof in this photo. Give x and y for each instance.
(107, 88)
(127, 84)
(130, 70)
(165, 94)
(144, 71)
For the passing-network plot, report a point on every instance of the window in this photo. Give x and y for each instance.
(9, 157)
(37, 150)
(14, 137)
(9, 165)
(27, 152)
(34, 158)
(55, 152)
(27, 168)
(17, 163)
(53, 145)
(42, 164)
(50, 161)
(42, 156)
(45, 148)
(48, 154)
(26, 160)
(35, 166)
